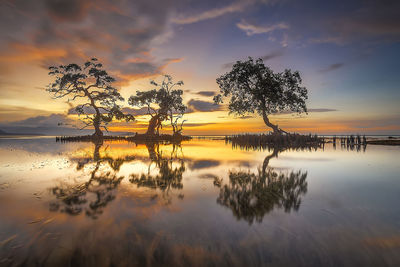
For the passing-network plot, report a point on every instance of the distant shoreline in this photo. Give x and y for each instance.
(20, 134)
(386, 142)
(205, 135)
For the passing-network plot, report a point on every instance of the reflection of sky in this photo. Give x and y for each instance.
(350, 207)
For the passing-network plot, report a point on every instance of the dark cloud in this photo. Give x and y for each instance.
(43, 121)
(376, 18)
(371, 21)
(197, 124)
(273, 54)
(135, 112)
(67, 10)
(54, 124)
(206, 93)
(119, 33)
(321, 110)
(310, 110)
(173, 60)
(203, 106)
(266, 57)
(332, 67)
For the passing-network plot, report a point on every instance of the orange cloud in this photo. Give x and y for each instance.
(24, 52)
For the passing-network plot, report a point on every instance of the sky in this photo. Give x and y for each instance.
(347, 52)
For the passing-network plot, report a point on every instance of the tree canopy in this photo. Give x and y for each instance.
(93, 195)
(170, 173)
(92, 85)
(253, 87)
(251, 196)
(162, 103)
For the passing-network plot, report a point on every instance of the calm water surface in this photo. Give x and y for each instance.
(203, 203)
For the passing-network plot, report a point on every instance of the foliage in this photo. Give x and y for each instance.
(250, 196)
(169, 177)
(177, 123)
(93, 195)
(253, 87)
(162, 103)
(92, 84)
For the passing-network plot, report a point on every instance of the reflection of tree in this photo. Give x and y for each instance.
(93, 195)
(252, 195)
(169, 175)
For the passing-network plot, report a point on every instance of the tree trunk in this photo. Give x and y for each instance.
(97, 146)
(97, 132)
(151, 148)
(97, 119)
(267, 158)
(174, 130)
(274, 127)
(96, 123)
(153, 123)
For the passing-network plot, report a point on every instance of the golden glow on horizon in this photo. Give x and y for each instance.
(220, 123)
(18, 105)
(193, 149)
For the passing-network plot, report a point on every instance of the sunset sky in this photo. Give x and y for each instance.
(348, 54)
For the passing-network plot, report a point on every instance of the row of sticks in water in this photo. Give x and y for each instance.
(350, 140)
(292, 140)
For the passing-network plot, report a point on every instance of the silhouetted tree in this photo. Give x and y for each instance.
(252, 195)
(92, 84)
(169, 176)
(253, 87)
(74, 198)
(176, 123)
(161, 103)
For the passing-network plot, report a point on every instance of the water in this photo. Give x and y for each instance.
(203, 203)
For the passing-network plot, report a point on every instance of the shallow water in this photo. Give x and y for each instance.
(201, 203)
